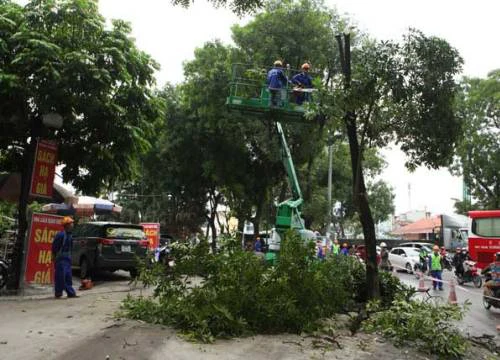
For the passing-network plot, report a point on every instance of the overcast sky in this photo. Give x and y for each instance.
(170, 34)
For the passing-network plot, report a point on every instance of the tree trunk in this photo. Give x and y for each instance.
(26, 172)
(360, 196)
(258, 216)
(214, 203)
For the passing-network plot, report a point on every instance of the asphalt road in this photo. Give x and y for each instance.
(478, 320)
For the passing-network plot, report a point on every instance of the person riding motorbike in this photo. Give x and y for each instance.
(443, 251)
(385, 263)
(465, 258)
(458, 262)
(423, 256)
(494, 271)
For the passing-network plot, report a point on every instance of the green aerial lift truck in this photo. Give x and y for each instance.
(250, 95)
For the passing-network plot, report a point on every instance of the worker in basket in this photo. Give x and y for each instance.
(302, 81)
(277, 83)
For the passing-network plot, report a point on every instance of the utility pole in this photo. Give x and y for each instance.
(330, 161)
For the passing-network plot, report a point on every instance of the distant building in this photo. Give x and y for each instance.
(423, 229)
(408, 218)
(443, 230)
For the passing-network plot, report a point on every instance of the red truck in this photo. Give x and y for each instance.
(484, 236)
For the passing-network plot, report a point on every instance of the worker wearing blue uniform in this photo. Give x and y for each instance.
(61, 255)
(303, 81)
(276, 81)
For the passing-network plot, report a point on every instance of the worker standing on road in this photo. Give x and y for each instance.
(303, 81)
(385, 263)
(319, 250)
(345, 249)
(276, 81)
(258, 244)
(61, 256)
(436, 268)
(335, 247)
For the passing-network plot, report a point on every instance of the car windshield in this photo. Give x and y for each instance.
(427, 249)
(412, 252)
(124, 233)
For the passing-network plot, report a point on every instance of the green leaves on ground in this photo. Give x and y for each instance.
(431, 327)
(238, 294)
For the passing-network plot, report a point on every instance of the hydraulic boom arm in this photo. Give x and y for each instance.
(288, 215)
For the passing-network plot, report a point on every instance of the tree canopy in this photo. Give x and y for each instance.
(478, 106)
(59, 56)
(240, 7)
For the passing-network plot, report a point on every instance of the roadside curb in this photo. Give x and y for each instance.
(48, 294)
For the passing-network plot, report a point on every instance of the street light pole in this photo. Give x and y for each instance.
(330, 165)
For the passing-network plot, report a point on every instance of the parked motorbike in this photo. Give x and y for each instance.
(470, 274)
(164, 254)
(420, 267)
(489, 294)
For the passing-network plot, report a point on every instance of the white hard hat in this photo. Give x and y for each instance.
(383, 244)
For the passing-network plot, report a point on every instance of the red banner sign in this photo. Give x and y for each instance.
(152, 231)
(44, 169)
(39, 268)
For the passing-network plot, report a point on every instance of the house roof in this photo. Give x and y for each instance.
(423, 226)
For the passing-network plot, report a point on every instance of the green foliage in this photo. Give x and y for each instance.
(428, 325)
(479, 150)
(238, 294)
(293, 31)
(7, 215)
(239, 7)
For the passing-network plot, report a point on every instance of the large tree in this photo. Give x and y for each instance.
(479, 151)
(61, 57)
(400, 92)
(239, 7)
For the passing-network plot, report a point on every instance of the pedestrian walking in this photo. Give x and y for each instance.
(61, 256)
(436, 268)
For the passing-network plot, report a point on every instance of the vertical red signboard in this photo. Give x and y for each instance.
(44, 169)
(152, 231)
(39, 268)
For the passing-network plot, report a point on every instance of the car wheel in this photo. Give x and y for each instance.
(84, 268)
(409, 269)
(133, 273)
(4, 273)
(486, 304)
